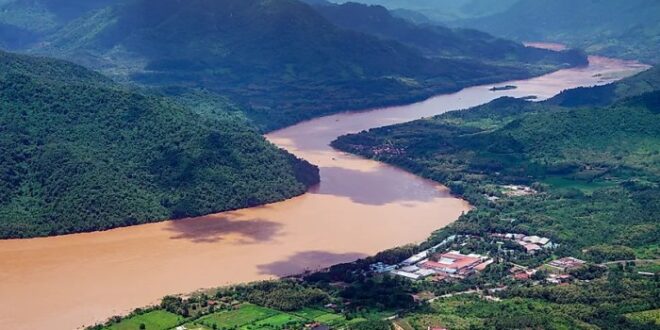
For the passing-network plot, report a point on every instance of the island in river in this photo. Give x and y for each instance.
(502, 88)
(360, 208)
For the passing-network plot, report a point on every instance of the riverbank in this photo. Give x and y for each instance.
(85, 278)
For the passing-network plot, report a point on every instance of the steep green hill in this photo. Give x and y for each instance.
(279, 59)
(628, 29)
(598, 166)
(81, 153)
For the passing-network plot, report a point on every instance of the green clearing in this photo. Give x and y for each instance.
(330, 319)
(651, 251)
(278, 321)
(325, 317)
(253, 317)
(649, 267)
(650, 316)
(587, 187)
(246, 314)
(156, 320)
(310, 313)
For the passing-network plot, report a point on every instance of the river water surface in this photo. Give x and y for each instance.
(361, 207)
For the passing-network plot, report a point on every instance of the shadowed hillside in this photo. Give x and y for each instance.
(279, 59)
(81, 153)
(439, 41)
(23, 23)
(627, 29)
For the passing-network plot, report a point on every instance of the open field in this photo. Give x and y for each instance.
(246, 314)
(156, 320)
(251, 317)
(646, 316)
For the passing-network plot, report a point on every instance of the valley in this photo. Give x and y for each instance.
(329, 164)
(85, 278)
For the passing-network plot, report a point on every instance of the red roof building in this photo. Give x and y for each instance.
(453, 263)
(522, 276)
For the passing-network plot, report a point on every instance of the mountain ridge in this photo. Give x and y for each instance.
(274, 58)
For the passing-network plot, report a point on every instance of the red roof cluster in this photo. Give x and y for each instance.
(455, 261)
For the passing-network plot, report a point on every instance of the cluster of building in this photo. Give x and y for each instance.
(558, 270)
(439, 266)
(515, 191)
(532, 244)
(566, 264)
(512, 191)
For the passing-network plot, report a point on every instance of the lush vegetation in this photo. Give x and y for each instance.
(157, 319)
(233, 308)
(596, 167)
(594, 171)
(628, 29)
(274, 58)
(81, 153)
(595, 305)
(617, 298)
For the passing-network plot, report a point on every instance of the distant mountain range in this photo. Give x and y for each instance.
(442, 10)
(628, 29)
(44, 16)
(281, 60)
(438, 41)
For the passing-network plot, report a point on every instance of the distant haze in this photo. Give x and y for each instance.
(444, 10)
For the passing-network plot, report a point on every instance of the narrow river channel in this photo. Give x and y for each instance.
(361, 207)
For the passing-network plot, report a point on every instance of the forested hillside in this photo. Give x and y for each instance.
(280, 60)
(81, 153)
(24, 22)
(597, 166)
(647, 81)
(439, 41)
(625, 29)
(444, 10)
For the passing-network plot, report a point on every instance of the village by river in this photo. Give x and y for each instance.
(361, 207)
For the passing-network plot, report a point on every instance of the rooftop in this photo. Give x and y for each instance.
(452, 260)
(567, 262)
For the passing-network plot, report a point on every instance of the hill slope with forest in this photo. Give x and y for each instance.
(625, 29)
(25, 22)
(81, 153)
(596, 164)
(439, 41)
(274, 58)
(443, 10)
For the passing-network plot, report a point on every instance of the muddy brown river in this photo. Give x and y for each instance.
(361, 207)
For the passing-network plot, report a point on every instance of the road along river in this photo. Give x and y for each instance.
(361, 207)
